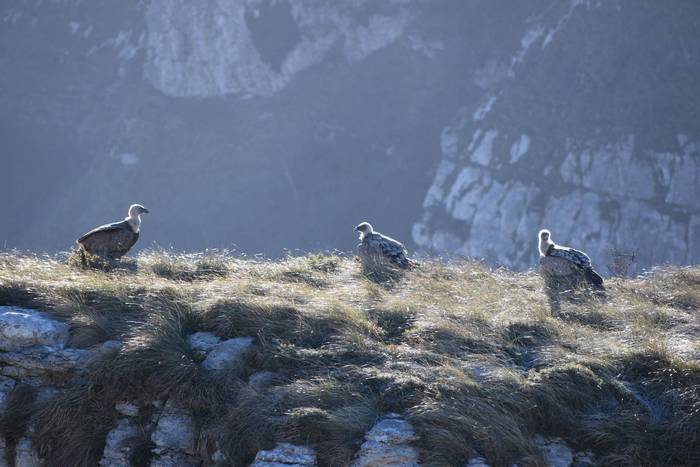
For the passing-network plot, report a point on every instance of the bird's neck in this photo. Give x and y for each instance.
(544, 246)
(364, 235)
(134, 222)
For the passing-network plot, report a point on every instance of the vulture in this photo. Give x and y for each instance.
(114, 240)
(376, 246)
(578, 259)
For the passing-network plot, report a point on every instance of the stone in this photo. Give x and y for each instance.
(127, 408)
(477, 462)
(42, 359)
(173, 438)
(555, 452)
(26, 455)
(391, 430)
(117, 449)
(285, 454)
(23, 327)
(203, 342)
(227, 355)
(387, 444)
(174, 432)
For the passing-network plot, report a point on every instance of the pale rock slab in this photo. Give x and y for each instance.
(285, 455)
(387, 444)
(23, 327)
(228, 354)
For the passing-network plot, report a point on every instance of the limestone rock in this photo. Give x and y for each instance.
(203, 342)
(22, 327)
(26, 455)
(41, 359)
(127, 408)
(227, 355)
(387, 444)
(555, 452)
(174, 438)
(117, 449)
(206, 52)
(477, 462)
(174, 432)
(218, 354)
(285, 454)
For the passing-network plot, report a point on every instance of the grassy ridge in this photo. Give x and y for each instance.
(474, 358)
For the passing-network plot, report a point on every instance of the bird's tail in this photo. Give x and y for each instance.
(594, 278)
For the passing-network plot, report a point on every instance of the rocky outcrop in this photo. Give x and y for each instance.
(554, 150)
(195, 50)
(285, 454)
(388, 444)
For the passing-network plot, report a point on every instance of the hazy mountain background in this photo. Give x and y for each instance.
(460, 127)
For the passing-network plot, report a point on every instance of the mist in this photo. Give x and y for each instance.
(458, 127)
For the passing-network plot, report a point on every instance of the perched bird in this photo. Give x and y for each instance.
(579, 259)
(376, 246)
(114, 240)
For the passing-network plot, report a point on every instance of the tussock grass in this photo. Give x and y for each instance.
(478, 360)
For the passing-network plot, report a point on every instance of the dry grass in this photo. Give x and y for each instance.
(474, 358)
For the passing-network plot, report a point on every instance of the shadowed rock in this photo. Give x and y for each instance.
(117, 447)
(285, 454)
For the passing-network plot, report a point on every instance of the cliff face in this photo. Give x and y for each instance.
(592, 131)
(251, 124)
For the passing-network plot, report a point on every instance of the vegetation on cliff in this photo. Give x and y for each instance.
(473, 358)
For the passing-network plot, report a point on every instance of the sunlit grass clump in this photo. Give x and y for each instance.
(474, 358)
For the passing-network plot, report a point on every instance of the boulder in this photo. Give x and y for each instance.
(117, 447)
(23, 327)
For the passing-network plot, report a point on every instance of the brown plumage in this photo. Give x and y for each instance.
(114, 240)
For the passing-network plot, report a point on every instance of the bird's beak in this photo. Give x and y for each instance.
(145, 211)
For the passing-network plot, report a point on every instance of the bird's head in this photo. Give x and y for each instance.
(364, 228)
(545, 235)
(136, 210)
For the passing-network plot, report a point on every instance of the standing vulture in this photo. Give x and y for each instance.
(376, 246)
(114, 240)
(578, 259)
